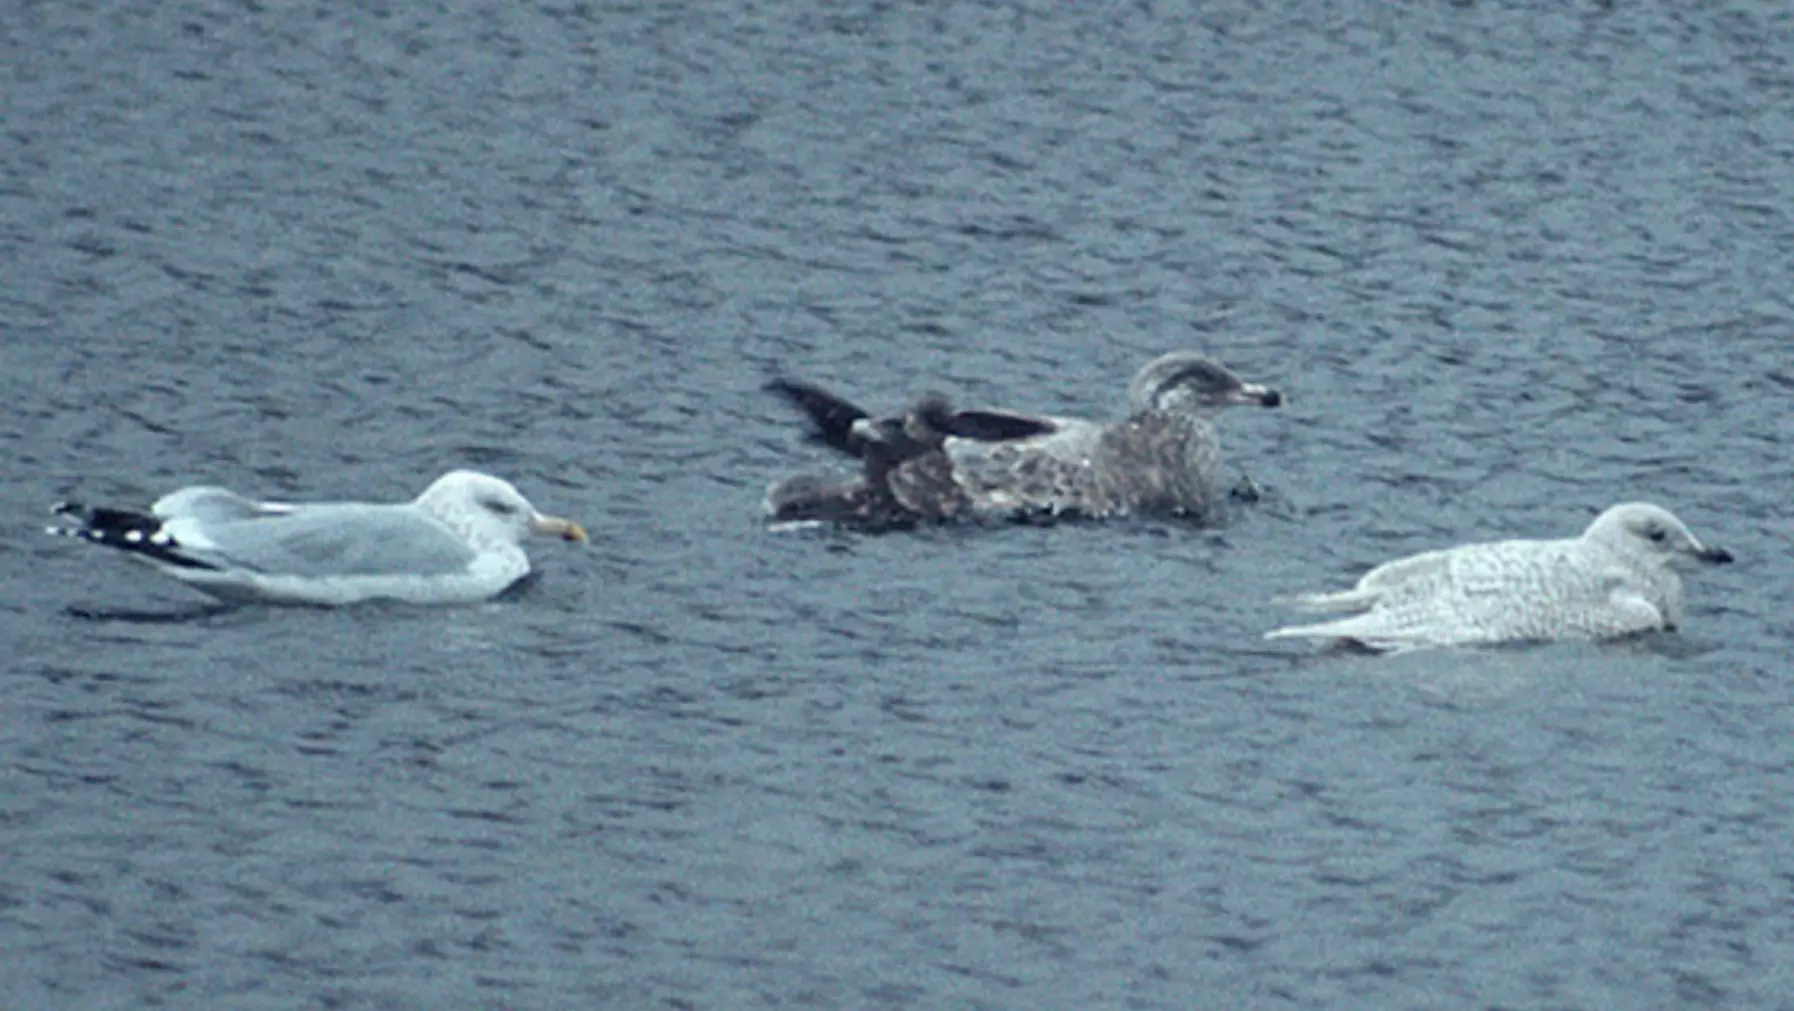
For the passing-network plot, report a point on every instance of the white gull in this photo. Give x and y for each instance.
(1617, 579)
(459, 541)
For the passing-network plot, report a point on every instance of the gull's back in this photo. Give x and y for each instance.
(312, 541)
(1495, 592)
(1160, 462)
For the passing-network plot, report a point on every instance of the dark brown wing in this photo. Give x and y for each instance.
(998, 426)
(832, 416)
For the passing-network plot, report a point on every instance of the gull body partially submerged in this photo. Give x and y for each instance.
(934, 462)
(1618, 578)
(461, 540)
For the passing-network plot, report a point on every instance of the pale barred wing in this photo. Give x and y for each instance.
(1473, 569)
(1508, 591)
(1429, 568)
(1630, 609)
(1420, 576)
(325, 541)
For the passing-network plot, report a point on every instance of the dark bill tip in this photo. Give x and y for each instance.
(1718, 556)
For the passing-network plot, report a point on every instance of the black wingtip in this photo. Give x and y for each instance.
(131, 532)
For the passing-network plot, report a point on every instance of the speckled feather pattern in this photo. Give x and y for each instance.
(1614, 580)
(1153, 462)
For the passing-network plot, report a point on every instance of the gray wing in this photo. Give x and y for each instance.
(325, 540)
(210, 503)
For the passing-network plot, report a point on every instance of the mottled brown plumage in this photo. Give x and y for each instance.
(935, 463)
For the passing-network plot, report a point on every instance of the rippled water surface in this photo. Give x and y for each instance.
(1510, 263)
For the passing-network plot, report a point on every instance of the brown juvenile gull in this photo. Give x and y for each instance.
(905, 474)
(1163, 458)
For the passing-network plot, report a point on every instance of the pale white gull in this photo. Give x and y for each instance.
(1617, 579)
(459, 541)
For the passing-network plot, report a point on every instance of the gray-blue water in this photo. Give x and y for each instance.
(1511, 262)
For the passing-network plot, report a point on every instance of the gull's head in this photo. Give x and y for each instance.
(1652, 532)
(921, 428)
(487, 503)
(1187, 381)
(929, 420)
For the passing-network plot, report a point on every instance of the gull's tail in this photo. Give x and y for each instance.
(1342, 602)
(1341, 629)
(1359, 630)
(134, 533)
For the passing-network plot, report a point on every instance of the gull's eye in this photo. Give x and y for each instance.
(501, 508)
(1657, 534)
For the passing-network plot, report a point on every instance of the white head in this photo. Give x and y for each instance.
(476, 503)
(1651, 533)
(1187, 381)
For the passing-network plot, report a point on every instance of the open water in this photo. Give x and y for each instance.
(1511, 263)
